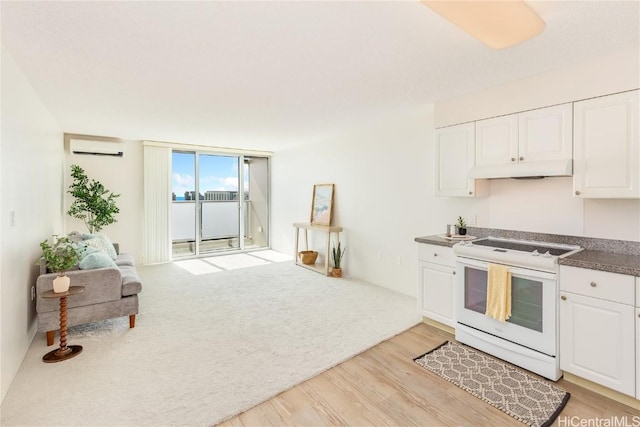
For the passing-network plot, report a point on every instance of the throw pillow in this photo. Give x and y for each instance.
(75, 237)
(101, 242)
(96, 259)
(85, 249)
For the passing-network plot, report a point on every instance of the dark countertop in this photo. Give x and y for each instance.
(437, 239)
(604, 261)
(614, 256)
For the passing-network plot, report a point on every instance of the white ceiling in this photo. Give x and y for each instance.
(271, 74)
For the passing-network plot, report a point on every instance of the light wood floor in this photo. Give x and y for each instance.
(383, 386)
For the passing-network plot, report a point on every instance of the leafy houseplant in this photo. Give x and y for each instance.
(93, 203)
(336, 254)
(60, 257)
(462, 226)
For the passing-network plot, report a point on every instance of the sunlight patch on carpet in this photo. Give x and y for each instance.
(271, 255)
(233, 262)
(197, 267)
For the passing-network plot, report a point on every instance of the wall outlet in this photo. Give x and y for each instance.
(473, 219)
(398, 260)
(33, 293)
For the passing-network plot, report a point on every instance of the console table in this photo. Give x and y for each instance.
(64, 352)
(323, 229)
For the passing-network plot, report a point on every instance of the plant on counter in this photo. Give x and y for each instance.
(462, 226)
(337, 252)
(93, 203)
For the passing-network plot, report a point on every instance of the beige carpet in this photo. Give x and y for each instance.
(206, 346)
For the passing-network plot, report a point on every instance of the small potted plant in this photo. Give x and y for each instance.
(336, 254)
(462, 226)
(60, 257)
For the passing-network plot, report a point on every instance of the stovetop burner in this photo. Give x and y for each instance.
(523, 253)
(523, 246)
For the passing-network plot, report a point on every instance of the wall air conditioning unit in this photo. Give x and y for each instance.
(96, 148)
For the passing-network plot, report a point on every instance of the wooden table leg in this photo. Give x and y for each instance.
(327, 254)
(295, 254)
(64, 352)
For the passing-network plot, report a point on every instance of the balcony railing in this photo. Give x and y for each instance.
(218, 219)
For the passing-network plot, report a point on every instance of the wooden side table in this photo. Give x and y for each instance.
(323, 228)
(64, 352)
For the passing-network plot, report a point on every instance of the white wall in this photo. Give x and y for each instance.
(612, 73)
(544, 205)
(31, 178)
(548, 205)
(383, 196)
(121, 175)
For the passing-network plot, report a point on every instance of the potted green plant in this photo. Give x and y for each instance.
(93, 203)
(59, 257)
(462, 226)
(337, 253)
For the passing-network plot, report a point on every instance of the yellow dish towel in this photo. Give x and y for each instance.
(498, 292)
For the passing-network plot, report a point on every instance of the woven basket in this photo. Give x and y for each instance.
(308, 257)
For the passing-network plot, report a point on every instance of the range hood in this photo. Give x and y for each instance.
(523, 170)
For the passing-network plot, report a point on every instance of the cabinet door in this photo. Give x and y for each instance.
(607, 147)
(435, 292)
(455, 155)
(597, 341)
(637, 352)
(497, 140)
(546, 134)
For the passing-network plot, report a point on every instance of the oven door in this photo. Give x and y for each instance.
(533, 305)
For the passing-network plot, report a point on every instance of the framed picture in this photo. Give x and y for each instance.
(321, 204)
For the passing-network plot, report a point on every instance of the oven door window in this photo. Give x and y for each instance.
(526, 303)
(475, 290)
(526, 298)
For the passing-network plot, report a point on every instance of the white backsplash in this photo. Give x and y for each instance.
(548, 206)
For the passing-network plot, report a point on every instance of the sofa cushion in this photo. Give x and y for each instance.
(125, 259)
(102, 242)
(131, 284)
(97, 259)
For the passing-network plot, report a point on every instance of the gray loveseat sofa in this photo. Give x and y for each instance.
(109, 292)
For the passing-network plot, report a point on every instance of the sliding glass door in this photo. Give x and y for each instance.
(215, 200)
(220, 194)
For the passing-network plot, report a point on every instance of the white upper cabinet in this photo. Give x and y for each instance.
(497, 140)
(607, 147)
(546, 134)
(531, 143)
(454, 156)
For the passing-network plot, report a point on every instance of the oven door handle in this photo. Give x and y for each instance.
(515, 271)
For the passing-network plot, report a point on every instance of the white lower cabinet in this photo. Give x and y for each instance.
(597, 329)
(638, 338)
(436, 283)
(638, 353)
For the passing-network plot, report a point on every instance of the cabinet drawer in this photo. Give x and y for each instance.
(598, 284)
(442, 255)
